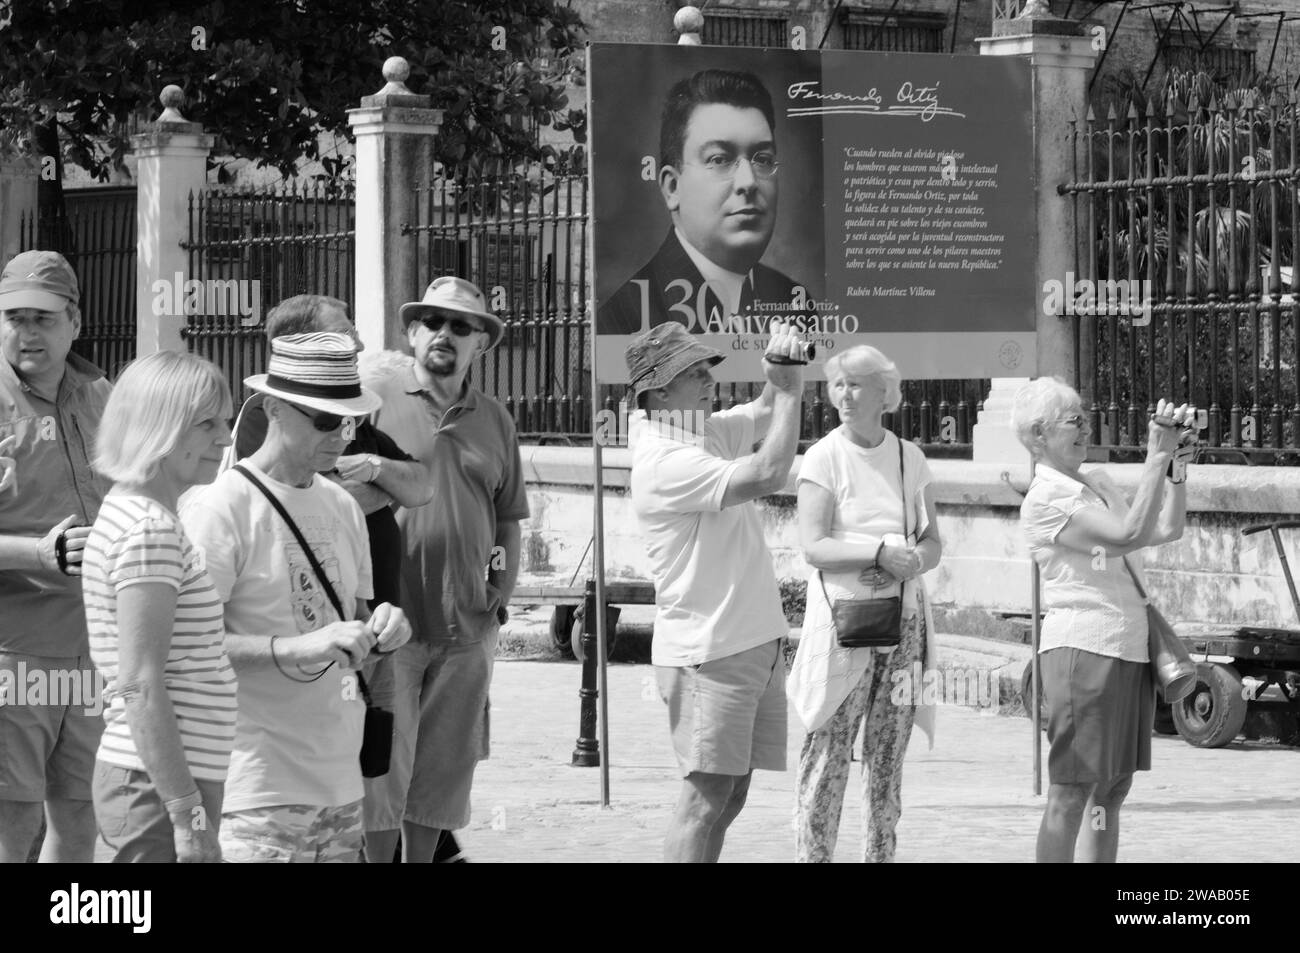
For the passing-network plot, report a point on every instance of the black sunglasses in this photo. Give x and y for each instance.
(434, 322)
(322, 421)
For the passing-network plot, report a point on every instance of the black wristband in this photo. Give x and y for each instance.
(61, 552)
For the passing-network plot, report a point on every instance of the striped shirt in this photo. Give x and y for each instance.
(136, 540)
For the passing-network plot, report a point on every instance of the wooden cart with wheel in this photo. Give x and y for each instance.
(1242, 670)
(568, 620)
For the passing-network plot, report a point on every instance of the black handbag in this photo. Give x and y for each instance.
(377, 733)
(870, 623)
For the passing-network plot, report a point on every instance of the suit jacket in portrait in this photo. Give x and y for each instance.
(766, 293)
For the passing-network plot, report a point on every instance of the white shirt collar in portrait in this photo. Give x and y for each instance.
(727, 285)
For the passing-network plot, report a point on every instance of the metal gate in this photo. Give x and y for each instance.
(95, 230)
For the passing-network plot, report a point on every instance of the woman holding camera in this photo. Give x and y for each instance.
(867, 527)
(1086, 537)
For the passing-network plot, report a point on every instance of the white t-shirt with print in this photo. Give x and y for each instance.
(295, 743)
(715, 591)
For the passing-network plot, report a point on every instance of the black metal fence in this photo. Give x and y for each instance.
(1187, 213)
(250, 248)
(95, 230)
(523, 240)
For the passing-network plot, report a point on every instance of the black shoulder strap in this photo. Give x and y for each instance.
(297, 534)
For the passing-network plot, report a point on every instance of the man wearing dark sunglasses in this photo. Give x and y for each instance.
(373, 469)
(289, 557)
(462, 559)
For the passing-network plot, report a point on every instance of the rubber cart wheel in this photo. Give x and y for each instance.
(611, 631)
(1026, 695)
(1214, 713)
(1164, 723)
(561, 628)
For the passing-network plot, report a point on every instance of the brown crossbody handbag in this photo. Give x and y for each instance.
(870, 623)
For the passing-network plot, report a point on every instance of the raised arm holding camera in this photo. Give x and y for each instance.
(719, 625)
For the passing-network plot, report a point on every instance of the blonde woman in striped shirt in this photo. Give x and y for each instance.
(155, 622)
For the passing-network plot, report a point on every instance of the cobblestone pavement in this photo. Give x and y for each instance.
(968, 800)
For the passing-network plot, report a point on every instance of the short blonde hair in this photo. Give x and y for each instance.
(1040, 402)
(869, 362)
(157, 398)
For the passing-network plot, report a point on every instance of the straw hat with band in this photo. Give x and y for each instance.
(453, 297)
(660, 354)
(319, 371)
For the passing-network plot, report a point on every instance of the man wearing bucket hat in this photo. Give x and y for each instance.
(719, 625)
(462, 559)
(269, 529)
(51, 402)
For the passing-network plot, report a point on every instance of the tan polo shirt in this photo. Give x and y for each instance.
(478, 482)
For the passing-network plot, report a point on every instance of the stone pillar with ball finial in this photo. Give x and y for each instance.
(1061, 55)
(395, 130)
(171, 165)
(689, 23)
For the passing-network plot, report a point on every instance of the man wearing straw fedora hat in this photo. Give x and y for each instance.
(288, 554)
(461, 562)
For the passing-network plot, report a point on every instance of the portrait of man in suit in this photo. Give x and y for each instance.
(718, 175)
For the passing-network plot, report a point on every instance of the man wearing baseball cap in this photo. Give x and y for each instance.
(288, 553)
(51, 402)
(462, 560)
(719, 625)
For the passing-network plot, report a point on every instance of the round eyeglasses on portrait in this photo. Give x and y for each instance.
(722, 166)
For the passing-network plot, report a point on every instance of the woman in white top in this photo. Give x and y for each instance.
(1085, 538)
(867, 527)
(155, 622)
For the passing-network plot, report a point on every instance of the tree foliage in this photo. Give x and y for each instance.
(268, 76)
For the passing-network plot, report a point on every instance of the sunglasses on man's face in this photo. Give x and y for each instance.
(462, 329)
(325, 423)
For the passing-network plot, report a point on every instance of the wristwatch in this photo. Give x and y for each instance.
(375, 462)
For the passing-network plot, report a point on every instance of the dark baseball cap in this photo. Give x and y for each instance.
(38, 279)
(660, 354)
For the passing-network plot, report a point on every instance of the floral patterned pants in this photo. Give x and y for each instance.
(827, 752)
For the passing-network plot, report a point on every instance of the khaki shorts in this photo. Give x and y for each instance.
(728, 715)
(47, 746)
(438, 694)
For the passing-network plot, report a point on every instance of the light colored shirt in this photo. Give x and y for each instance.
(295, 742)
(715, 591)
(868, 489)
(473, 454)
(136, 540)
(1091, 601)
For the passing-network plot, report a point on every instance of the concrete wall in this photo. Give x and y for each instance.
(1212, 574)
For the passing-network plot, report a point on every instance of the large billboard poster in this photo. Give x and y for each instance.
(873, 198)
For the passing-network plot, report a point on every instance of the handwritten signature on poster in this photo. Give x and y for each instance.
(910, 100)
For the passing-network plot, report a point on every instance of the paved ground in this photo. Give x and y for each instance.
(968, 800)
